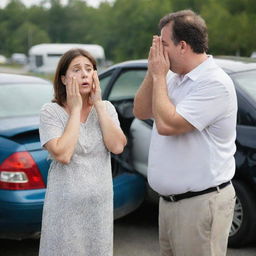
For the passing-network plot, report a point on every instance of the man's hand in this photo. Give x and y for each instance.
(158, 61)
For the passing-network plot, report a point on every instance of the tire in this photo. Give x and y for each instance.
(243, 229)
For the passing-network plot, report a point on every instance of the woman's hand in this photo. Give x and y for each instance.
(95, 95)
(74, 99)
(63, 147)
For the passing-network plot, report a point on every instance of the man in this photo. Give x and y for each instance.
(191, 158)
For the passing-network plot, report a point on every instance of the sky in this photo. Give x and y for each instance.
(28, 3)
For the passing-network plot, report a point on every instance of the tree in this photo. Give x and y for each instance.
(133, 23)
(26, 36)
(124, 28)
(229, 33)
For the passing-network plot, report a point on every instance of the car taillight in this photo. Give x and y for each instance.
(19, 171)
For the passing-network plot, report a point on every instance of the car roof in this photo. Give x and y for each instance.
(232, 64)
(6, 78)
(229, 63)
(130, 63)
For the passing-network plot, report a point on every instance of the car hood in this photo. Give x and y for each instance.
(10, 127)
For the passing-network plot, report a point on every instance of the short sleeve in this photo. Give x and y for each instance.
(112, 111)
(50, 124)
(204, 105)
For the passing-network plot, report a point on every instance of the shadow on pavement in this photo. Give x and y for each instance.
(27, 247)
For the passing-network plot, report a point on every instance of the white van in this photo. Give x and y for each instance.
(253, 55)
(19, 58)
(43, 58)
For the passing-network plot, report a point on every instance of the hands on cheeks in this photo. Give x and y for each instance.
(95, 94)
(74, 99)
(158, 61)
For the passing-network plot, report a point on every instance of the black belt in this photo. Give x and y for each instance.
(175, 198)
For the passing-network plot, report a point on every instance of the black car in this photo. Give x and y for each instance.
(119, 84)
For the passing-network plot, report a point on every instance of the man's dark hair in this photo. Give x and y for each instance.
(189, 27)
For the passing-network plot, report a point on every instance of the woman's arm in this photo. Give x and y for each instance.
(113, 137)
(62, 148)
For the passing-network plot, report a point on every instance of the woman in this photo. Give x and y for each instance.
(79, 130)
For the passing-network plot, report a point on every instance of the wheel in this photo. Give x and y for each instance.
(243, 229)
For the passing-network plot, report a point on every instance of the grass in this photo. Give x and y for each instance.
(44, 76)
(20, 67)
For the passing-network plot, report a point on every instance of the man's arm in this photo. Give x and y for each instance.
(143, 99)
(167, 120)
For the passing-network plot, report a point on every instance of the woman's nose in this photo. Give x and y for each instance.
(84, 73)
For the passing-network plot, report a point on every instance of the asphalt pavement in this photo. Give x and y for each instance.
(134, 235)
(137, 235)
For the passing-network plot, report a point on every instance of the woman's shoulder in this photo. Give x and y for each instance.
(108, 103)
(110, 107)
(51, 107)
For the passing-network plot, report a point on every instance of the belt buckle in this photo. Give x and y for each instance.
(172, 198)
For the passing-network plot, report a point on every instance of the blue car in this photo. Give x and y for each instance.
(24, 165)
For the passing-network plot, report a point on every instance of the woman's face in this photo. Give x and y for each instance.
(82, 69)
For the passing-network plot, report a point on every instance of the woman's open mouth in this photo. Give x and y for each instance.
(85, 85)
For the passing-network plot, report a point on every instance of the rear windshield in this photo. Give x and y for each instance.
(247, 81)
(23, 99)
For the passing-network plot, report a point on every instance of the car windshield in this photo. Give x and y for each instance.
(23, 99)
(246, 80)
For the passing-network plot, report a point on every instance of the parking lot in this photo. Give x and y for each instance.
(135, 234)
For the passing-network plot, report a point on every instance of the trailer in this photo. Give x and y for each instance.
(43, 58)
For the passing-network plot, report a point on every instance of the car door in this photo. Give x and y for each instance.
(119, 86)
(243, 227)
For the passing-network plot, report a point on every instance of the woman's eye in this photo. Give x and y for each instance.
(76, 70)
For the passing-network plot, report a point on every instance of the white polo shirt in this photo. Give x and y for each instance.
(203, 158)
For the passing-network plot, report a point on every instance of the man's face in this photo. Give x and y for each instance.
(169, 47)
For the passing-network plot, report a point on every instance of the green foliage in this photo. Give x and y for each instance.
(124, 28)
(133, 25)
(194, 5)
(229, 33)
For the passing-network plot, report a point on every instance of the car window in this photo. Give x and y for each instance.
(104, 82)
(23, 99)
(246, 111)
(246, 80)
(127, 84)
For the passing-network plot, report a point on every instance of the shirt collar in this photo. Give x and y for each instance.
(196, 72)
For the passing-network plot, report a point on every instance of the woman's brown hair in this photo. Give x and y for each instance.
(60, 94)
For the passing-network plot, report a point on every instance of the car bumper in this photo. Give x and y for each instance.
(129, 193)
(21, 213)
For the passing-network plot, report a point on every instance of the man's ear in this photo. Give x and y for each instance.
(183, 46)
(63, 79)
